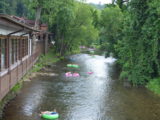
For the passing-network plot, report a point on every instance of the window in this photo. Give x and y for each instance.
(14, 51)
(3, 46)
(19, 49)
(24, 47)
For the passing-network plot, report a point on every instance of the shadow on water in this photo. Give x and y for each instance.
(97, 96)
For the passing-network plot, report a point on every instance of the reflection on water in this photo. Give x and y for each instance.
(33, 100)
(97, 96)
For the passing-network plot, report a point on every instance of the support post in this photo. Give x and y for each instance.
(46, 44)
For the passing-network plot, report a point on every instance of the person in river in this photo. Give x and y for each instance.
(48, 112)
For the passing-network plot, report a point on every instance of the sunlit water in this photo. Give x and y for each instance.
(97, 96)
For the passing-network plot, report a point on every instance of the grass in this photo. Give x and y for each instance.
(17, 87)
(44, 60)
(154, 86)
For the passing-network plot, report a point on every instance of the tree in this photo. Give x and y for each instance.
(111, 22)
(136, 64)
(3, 6)
(96, 18)
(74, 26)
(21, 9)
(38, 6)
(73, 23)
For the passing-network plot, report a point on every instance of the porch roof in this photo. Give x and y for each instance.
(11, 20)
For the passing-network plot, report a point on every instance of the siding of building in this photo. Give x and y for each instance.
(17, 55)
(11, 77)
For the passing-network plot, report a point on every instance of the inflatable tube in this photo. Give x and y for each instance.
(76, 75)
(69, 65)
(73, 65)
(68, 74)
(90, 73)
(50, 116)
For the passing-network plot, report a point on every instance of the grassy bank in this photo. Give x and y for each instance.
(154, 86)
(44, 60)
(48, 59)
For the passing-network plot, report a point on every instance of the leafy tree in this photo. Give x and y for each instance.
(151, 37)
(21, 10)
(36, 7)
(96, 18)
(74, 27)
(132, 49)
(3, 6)
(111, 22)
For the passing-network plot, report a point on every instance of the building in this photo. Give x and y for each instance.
(19, 50)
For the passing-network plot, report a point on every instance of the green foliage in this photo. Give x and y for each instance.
(17, 87)
(111, 22)
(74, 26)
(132, 47)
(134, 37)
(139, 41)
(44, 60)
(71, 22)
(3, 6)
(96, 18)
(13, 7)
(154, 85)
(21, 9)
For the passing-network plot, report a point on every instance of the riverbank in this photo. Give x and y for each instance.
(44, 60)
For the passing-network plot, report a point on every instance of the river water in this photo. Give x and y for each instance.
(97, 96)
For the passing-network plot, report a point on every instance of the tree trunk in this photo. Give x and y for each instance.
(62, 45)
(36, 25)
(120, 3)
(38, 15)
(113, 1)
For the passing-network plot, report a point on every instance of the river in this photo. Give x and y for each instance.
(97, 96)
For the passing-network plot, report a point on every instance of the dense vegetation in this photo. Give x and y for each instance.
(134, 40)
(129, 30)
(137, 48)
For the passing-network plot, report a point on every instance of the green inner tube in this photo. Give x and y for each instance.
(50, 117)
(75, 66)
(69, 65)
(72, 65)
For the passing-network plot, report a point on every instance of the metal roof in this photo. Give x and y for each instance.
(10, 19)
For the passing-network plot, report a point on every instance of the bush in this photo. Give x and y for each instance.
(154, 85)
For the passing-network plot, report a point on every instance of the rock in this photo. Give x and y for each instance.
(27, 80)
(47, 74)
(127, 84)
